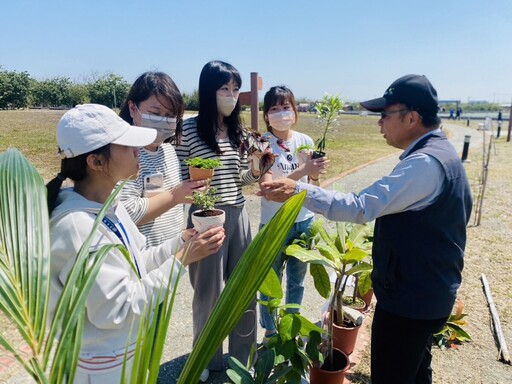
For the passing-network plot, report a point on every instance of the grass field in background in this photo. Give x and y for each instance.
(353, 141)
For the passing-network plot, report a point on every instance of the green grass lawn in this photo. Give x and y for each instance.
(355, 140)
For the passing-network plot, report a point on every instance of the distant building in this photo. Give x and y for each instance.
(303, 107)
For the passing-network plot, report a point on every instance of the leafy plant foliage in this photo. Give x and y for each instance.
(452, 334)
(199, 162)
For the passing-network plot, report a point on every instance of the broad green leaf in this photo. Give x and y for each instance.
(321, 280)
(308, 256)
(460, 334)
(307, 326)
(289, 327)
(364, 283)
(355, 255)
(361, 267)
(271, 286)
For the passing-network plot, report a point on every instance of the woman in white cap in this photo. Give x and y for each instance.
(99, 149)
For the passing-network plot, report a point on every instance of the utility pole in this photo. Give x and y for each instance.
(509, 122)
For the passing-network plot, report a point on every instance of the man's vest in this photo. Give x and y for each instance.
(418, 255)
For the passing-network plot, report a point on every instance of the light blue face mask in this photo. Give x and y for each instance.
(165, 126)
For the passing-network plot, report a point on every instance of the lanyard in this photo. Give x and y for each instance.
(110, 225)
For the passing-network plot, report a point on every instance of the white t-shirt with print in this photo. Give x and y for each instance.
(285, 163)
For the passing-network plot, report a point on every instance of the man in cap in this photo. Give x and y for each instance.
(421, 211)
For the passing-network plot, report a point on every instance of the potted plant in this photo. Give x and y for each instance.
(340, 251)
(288, 355)
(259, 152)
(200, 169)
(328, 111)
(207, 216)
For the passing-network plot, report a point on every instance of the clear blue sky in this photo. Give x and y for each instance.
(351, 48)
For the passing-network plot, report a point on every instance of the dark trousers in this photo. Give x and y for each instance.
(401, 348)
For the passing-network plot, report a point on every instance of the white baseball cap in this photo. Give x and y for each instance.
(91, 126)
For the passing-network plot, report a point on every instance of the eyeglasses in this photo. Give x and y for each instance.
(385, 114)
(156, 118)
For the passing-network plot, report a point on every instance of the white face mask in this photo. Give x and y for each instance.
(281, 121)
(226, 105)
(165, 126)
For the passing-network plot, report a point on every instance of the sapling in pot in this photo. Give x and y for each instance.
(200, 169)
(207, 216)
(339, 252)
(328, 111)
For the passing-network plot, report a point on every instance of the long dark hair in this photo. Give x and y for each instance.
(74, 168)
(278, 95)
(213, 76)
(161, 85)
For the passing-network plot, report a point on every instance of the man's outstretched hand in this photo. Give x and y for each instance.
(278, 190)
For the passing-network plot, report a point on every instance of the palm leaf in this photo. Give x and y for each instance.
(241, 287)
(24, 274)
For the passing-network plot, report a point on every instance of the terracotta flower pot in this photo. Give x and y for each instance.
(204, 220)
(200, 173)
(367, 297)
(344, 338)
(323, 375)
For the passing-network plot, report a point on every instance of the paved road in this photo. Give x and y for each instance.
(179, 341)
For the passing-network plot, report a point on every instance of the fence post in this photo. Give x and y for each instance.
(465, 150)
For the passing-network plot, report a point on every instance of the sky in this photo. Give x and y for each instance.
(354, 49)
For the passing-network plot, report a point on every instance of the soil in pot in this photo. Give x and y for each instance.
(331, 373)
(359, 304)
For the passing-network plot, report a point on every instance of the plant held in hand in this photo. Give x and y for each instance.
(205, 199)
(328, 111)
(258, 151)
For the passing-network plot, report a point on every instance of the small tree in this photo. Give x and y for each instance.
(328, 111)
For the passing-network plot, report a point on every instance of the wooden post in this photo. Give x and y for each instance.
(256, 85)
(509, 123)
(251, 98)
(504, 353)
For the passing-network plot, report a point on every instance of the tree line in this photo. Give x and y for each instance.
(19, 90)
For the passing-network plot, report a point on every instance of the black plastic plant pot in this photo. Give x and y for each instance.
(317, 154)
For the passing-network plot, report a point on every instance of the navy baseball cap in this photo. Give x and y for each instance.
(413, 90)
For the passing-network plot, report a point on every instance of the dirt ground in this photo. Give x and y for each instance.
(487, 252)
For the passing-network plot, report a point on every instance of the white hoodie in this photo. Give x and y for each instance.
(118, 295)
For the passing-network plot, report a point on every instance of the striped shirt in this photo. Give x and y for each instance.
(168, 225)
(228, 178)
